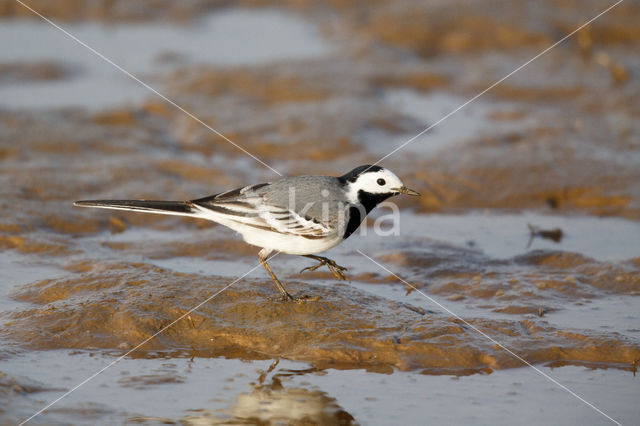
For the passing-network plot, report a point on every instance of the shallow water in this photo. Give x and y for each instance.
(212, 391)
(319, 91)
(232, 37)
(426, 109)
(16, 270)
(502, 236)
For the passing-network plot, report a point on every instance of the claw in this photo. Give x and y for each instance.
(311, 268)
(335, 269)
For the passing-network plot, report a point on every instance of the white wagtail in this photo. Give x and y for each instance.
(299, 215)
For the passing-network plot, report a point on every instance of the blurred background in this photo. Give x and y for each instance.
(528, 226)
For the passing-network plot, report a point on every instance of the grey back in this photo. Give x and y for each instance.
(319, 197)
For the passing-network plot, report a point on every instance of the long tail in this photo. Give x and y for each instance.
(177, 208)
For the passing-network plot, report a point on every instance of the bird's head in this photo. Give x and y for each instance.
(372, 184)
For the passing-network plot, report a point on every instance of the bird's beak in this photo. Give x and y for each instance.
(405, 190)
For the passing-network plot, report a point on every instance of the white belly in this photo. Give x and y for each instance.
(274, 240)
(288, 243)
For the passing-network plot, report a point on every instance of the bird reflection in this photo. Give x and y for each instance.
(270, 402)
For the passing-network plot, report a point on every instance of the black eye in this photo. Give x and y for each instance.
(381, 182)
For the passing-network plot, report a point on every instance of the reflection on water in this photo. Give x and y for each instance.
(269, 401)
(274, 403)
(214, 391)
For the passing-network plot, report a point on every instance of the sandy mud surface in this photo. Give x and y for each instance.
(525, 238)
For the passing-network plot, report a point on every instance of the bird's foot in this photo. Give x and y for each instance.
(336, 269)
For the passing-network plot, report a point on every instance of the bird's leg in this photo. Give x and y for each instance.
(263, 261)
(336, 269)
(262, 256)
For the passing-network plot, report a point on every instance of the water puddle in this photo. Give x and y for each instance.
(16, 270)
(471, 122)
(210, 391)
(613, 314)
(77, 291)
(232, 37)
(195, 388)
(503, 236)
(146, 245)
(191, 265)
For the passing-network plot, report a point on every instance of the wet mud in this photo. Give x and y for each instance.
(118, 306)
(527, 229)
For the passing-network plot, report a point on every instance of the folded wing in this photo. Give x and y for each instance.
(247, 206)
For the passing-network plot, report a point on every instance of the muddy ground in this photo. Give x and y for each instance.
(525, 237)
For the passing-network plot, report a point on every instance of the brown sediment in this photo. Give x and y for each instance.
(478, 177)
(116, 117)
(103, 10)
(73, 226)
(189, 171)
(535, 93)
(31, 245)
(430, 34)
(316, 150)
(622, 30)
(258, 85)
(120, 306)
(11, 228)
(538, 282)
(421, 81)
(12, 73)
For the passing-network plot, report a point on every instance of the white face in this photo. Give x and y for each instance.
(381, 182)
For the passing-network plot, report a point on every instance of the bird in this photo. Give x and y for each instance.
(298, 215)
